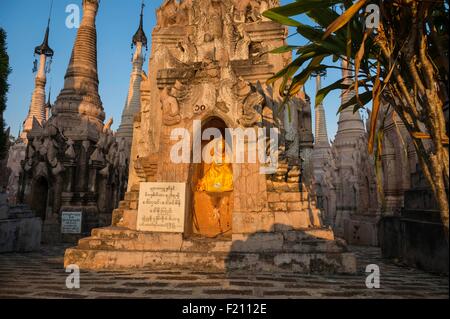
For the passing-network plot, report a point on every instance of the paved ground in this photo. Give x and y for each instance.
(40, 275)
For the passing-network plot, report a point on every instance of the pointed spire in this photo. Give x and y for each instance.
(321, 134)
(79, 102)
(350, 124)
(37, 110)
(44, 48)
(140, 36)
(133, 101)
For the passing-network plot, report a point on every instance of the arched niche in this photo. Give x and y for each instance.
(211, 215)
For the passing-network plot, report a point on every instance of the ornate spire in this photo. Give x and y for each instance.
(140, 36)
(44, 48)
(78, 104)
(133, 102)
(350, 125)
(37, 110)
(321, 134)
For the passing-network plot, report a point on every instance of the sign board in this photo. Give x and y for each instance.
(162, 207)
(71, 222)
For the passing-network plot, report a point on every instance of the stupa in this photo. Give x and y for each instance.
(207, 76)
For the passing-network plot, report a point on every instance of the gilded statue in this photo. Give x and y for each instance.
(219, 176)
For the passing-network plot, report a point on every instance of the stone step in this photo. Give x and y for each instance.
(114, 232)
(125, 218)
(280, 242)
(124, 204)
(212, 261)
(128, 204)
(309, 233)
(147, 243)
(287, 196)
(130, 196)
(117, 216)
(250, 245)
(307, 241)
(135, 188)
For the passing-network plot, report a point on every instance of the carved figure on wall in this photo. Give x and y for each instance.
(242, 49)
(170, 108)
(252, 103)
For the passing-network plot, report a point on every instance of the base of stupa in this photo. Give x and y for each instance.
(303, 251)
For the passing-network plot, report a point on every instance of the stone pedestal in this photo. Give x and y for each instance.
(297, 250)
(288, 237)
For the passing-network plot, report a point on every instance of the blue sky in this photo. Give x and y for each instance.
(25, 22)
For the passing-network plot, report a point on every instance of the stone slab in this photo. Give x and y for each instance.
(223, 262)
(162, 207)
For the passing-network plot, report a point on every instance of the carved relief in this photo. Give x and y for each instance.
(252, 103)
(170, 108)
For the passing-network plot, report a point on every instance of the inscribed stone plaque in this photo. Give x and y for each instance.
(162, 207)
(71, 222)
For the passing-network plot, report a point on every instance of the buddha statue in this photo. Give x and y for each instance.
(219, 176)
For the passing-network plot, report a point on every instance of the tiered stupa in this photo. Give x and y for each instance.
(208, 69)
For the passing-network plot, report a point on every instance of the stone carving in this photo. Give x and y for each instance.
(252, 103)
(242, 49)
(252, 10)
(187, 50)
(172, 13)
(170, 108)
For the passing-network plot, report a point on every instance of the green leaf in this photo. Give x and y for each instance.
(301, 78)
(281, 19)
(323, 16)
(292, 68)
(365, 98)
(284, 49)
(338, 85)
(344, 18)
(300, 7)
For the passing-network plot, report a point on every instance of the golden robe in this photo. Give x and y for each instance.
(219, 176)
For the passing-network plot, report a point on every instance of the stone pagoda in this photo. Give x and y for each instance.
(73, 163)
(208, 68)
(322, 146)
(133, 102)
(37, 113)
(348, 183)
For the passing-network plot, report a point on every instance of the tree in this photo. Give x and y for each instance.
(396, 54)
(4, 72)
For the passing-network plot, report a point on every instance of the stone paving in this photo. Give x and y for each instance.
(40, 275)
